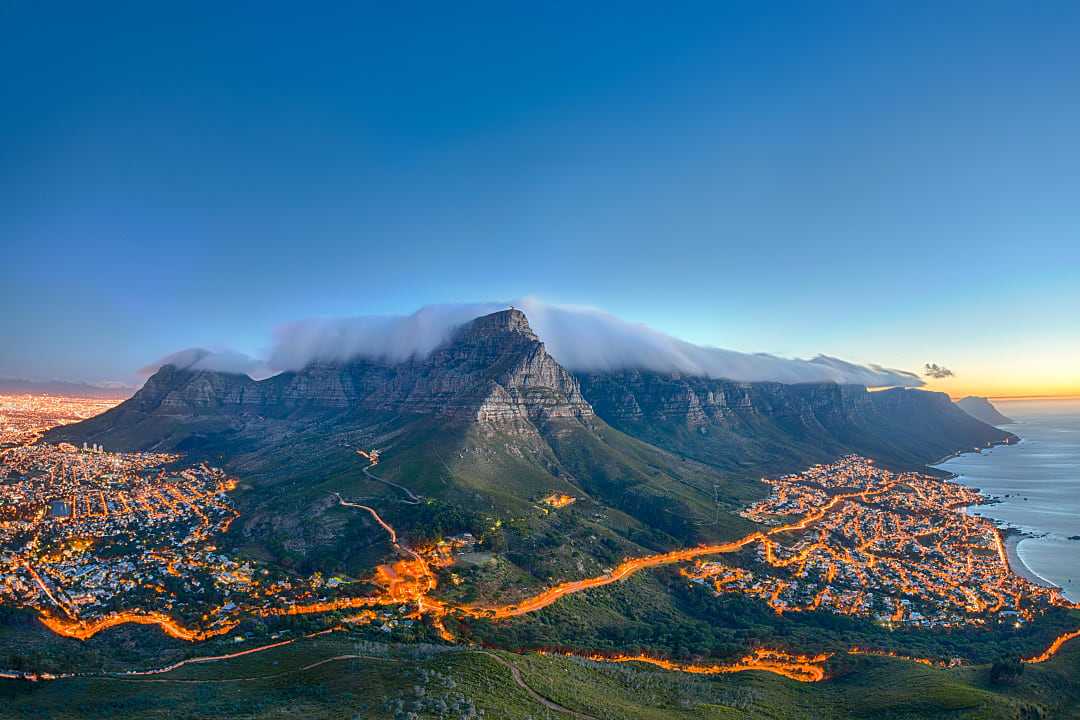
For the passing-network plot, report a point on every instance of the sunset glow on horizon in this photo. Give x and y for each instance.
(1049, 374)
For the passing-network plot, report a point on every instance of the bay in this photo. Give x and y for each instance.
(1038, 484)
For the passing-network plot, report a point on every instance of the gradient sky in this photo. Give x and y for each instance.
(884, 182)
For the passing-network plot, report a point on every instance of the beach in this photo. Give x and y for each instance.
(1016, 563)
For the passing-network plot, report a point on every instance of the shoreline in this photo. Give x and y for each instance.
(978, 451)
(1013, 538)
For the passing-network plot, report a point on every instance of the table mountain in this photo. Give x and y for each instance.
(489, 423)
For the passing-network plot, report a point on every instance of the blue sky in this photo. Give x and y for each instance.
(880, 183)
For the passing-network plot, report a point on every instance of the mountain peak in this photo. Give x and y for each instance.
(504, 321)
(494, 371)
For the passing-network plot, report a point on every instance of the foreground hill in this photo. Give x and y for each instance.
(982, 409)
(339, 677)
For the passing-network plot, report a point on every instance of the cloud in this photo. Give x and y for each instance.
(226, 361)
(392, 338)
(937, 371)
(581, 338)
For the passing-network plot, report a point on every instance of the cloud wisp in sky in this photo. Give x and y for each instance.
(581, 338)
(936, 371)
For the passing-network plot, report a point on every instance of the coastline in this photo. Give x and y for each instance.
(1012, 539)
(978, 451)
(1011, 536)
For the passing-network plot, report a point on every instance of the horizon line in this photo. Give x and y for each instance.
(1034, 397)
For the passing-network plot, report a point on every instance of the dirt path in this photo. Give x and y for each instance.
(549, 704)
(515, 674)
(251, 678)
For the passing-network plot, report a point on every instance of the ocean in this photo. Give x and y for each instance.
(1038, 483)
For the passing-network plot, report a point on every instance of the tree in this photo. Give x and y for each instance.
(1006, 671)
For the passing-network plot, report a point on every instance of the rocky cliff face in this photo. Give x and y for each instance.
(694, 402)
(729, 423)
(496, 373)
(494, 370)
(176, 391)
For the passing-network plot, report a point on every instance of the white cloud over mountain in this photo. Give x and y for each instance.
(581, 338)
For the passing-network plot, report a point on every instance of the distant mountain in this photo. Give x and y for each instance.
(489, 423)
(982, 409)
(16, 386)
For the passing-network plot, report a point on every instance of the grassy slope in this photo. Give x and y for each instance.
(507, 472)
(276, 684)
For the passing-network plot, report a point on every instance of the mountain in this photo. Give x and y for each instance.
(16, 386)
(982, 409)
(484, 427)
(772, 427)
(488, 424)
(494, 371)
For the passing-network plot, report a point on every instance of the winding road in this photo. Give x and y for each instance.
(414, 499)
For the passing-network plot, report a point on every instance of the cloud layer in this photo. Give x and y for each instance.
(197, 358)
(581, 338)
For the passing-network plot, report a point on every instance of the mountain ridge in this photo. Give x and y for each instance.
(495, 371)
(773, 426)
(487, 425)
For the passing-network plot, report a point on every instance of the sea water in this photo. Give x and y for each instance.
(1038, 483)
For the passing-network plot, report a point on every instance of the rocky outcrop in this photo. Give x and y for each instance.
(494, 370)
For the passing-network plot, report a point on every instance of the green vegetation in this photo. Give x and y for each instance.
(659, 612)
(341, 677)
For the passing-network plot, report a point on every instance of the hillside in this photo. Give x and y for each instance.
(344, 678)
